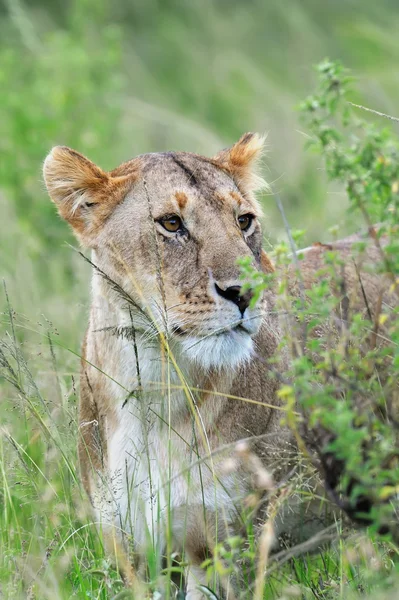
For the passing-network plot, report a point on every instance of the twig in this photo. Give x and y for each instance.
(55, 370)
(289, 234)
(266, 540)
(159, 264)
(326, 535)
(136, 356)
(11, 317)
(113, 284)
(301, 284)
(363, 290)
(375, 112)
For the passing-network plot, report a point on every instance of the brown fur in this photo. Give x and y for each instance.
(181, 199)
(173, 278)
(266, 264)
(360, 283)
(242, 159)
(72, 180)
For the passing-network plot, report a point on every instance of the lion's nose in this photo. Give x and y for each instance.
(233, 293)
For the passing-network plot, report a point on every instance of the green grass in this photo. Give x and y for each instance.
(114, 81)
(49, 545)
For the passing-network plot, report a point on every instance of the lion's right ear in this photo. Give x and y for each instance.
(241, 161)
(84, 194)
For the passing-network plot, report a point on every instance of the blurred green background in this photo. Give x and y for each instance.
(116, 79)
(113, 80)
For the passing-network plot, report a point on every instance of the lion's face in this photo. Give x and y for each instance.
(170, 228)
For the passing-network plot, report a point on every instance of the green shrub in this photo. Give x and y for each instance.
(344, 371)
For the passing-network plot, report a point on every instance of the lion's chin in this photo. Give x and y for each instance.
(227, 350)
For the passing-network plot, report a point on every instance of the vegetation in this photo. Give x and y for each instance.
(121, 80)
(343, 372)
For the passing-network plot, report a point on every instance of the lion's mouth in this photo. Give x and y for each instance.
(239, 327)
(179, 332)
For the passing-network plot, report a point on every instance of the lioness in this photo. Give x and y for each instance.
(173, 347)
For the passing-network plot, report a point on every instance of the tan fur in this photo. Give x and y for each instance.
(242, 160)
(72, 180)
(169, 414)
(181, 199)
(361, 287)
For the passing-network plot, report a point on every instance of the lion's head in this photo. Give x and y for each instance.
(169, 229)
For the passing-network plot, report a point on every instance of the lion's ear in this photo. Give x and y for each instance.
(84, 194)
(242, 161)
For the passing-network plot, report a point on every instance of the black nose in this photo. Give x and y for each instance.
(233, 293)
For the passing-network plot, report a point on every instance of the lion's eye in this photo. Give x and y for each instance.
(172, 224)
(245, 221)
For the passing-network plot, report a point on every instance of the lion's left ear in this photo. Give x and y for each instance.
(242, 162)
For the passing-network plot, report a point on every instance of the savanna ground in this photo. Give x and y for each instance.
(113, 82)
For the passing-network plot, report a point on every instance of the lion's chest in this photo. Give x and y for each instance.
(148, 475)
